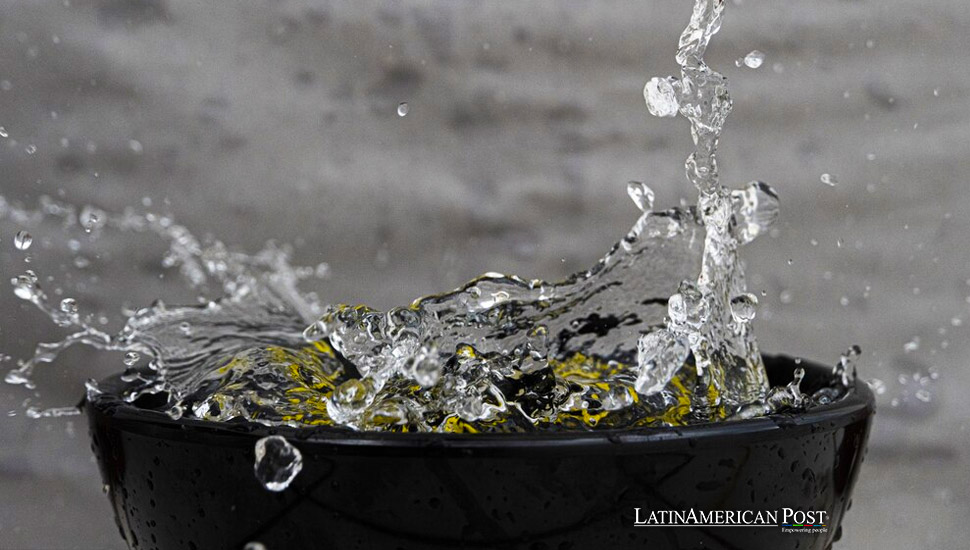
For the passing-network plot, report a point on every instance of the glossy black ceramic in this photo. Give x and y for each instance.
(190, 484)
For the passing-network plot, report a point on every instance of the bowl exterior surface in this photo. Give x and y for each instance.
(178, 484)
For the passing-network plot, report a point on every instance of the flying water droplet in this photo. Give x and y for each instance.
(131, 358)
(69, 305)
(277, 462)
(661, 97)
(829, 179)
(641, 194)
(912, 345)
(22, 240)
(743, 307)
(25, 286)
(753, 60)
(90, 219)
(877, 386)
(845, 369)
(402, 109)
(756, 208)
(785, 296)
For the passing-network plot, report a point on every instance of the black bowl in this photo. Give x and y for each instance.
(190, 484)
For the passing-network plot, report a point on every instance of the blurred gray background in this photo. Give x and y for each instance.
(264, 120)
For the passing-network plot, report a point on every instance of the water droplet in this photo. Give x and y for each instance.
(743, 307)
(641, 194)
(756, 208)
(785, 297)
(277, 462)
(31, 149)
(912, 345)
(425, 370)
(135, 146)
(69, 305)
(351, 394)
(3, 132)
(254, 546)
(829, 179)
(315, 331)
(402, 109)
(661, 97)
(25, 286)
(131, 358)
(90, 219)
(22, 240)
(753, 60)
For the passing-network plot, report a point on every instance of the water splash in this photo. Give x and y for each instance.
(721, 342)
(658, 332)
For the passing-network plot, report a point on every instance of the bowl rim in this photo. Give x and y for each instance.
(856, 405)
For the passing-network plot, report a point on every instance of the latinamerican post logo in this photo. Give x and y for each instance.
(788, 520)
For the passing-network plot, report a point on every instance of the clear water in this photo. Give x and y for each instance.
(658, 332)
(277, 462)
